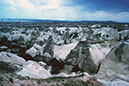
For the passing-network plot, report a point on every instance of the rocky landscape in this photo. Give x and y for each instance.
(53, 53)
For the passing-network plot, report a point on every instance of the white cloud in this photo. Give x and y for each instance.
(46, 9)
(10, 2)
(13, 8)
(102, 15)
(55, 9)
(61, 19)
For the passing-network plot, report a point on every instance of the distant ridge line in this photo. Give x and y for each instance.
(41, 20)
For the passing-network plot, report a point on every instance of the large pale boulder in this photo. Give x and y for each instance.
(62, 51)
(11, 58)
(34, 70)
(33, 51)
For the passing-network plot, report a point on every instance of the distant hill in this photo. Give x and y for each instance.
(41, 20)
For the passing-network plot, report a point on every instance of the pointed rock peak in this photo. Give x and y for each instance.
(80, 57)
(120, 52)
(48, 48)
(50, 41)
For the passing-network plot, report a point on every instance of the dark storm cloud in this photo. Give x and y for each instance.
(106, 5)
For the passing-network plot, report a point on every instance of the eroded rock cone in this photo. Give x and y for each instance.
(49, 46)
(42, 53)
(114, 68)
(80, 56)
(120, 53)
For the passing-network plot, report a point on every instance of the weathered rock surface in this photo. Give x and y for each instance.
(32, 52)
(34, 70)
(115, 67)
(87, 56)
(11, 58)
(80, 56)
(99, 51)
(58, 50)
(122, 35)
(46, 52)
(42, 53)
(115, 83)
(49, 46)
(62, 51)
(103, 33)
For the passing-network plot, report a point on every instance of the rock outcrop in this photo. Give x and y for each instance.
(114, 68)
(80, 56)
(62, 51)
(86, 56)
(46, 52)
(42, 53)
(34, 70)
(11, 58)
(122, 35)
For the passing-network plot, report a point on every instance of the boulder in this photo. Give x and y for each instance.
(62, 51)
(32, 52)
(11, 58)
(34, 70)
(36, 46)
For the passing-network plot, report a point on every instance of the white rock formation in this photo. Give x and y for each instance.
(64, 75)
(34, 70)
(63, 50)
(12, 58)
(99, 52)
(120, 35)
(36, 46)
(115, 83)
(32, 52)
(105, 31)
(114, 67)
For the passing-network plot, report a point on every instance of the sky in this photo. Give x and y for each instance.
(75, 10)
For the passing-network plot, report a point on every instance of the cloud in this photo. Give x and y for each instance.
(102, 15)
(13, 8)
(61, 19)
(46, 9)
(59, 9)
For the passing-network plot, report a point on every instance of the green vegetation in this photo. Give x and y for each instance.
(6, 67)
(11, 79)
(1, 78)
